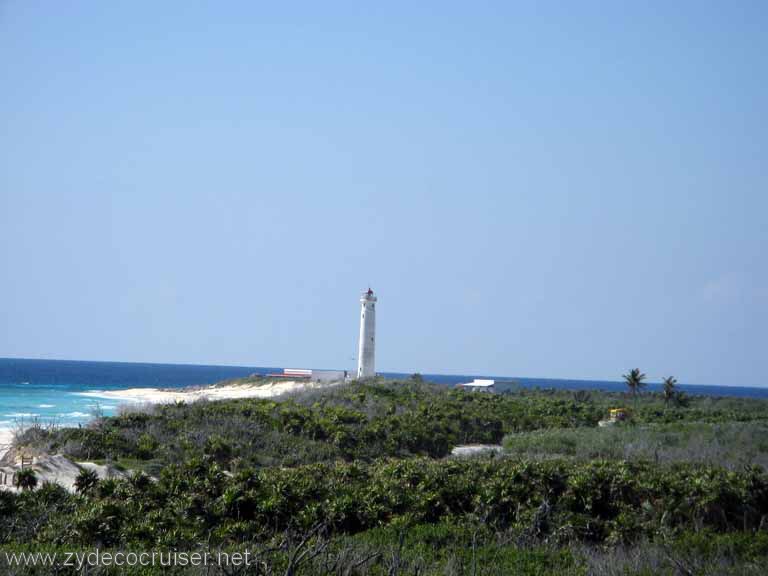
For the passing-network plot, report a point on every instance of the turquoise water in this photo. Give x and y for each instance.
(54, 390)
(23, 402)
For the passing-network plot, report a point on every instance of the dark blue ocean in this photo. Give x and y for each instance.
(63, 390)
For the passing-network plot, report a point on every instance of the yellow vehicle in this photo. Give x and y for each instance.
(619, 414)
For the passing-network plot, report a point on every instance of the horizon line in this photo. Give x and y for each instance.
(384, 372)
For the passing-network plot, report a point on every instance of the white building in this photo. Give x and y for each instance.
(366, 348)
(311, 375)
(329, 375)
(479, 385)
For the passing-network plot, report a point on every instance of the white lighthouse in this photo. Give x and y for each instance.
(366, 349)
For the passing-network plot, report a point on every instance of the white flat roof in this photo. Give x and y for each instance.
(480, 383)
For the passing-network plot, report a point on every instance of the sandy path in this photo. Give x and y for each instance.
(6, 437)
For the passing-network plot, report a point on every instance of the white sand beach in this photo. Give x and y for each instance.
(231, 391)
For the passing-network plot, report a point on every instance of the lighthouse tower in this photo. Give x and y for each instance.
(366, 349)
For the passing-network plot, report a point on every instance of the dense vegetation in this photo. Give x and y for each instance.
(358, 422)
(357, 480)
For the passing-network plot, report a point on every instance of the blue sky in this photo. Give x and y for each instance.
(547, 189)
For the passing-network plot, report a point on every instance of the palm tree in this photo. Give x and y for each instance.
(670, 391)
(86, 481)
(25, 479)
(634, 380)
(581, 396)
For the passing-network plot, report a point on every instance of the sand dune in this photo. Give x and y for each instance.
(57, 469)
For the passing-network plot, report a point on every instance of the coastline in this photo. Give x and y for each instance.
(213, 392)
(139, 396)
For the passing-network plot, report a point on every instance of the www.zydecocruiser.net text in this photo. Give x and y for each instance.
(97, 558)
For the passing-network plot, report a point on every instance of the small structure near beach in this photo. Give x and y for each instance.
(616, 415)
(479, 385)
(311, 375)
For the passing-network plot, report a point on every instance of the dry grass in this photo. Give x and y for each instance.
(731, 444)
